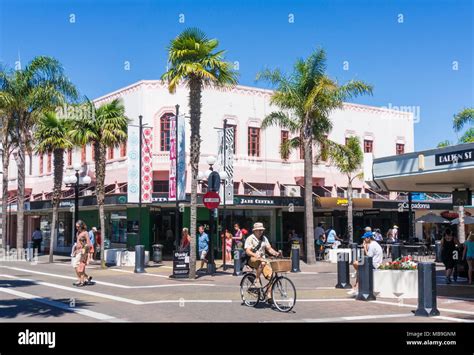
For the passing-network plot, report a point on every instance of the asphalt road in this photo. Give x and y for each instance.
(44, 292)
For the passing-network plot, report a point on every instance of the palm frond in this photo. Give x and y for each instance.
(462, 118)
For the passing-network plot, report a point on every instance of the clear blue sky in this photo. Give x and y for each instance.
(409, 63)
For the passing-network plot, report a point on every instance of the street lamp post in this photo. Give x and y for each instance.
(76, 182)
(221, 176)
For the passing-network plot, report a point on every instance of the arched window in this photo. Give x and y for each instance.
(165, 125)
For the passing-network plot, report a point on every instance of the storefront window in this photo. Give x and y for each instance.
(117, 227)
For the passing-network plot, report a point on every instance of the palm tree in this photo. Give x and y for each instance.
(306, 98)
(105, 126)
(459, 121)
(26, 95)
(348, 160)
(52, 135)
(194, 61)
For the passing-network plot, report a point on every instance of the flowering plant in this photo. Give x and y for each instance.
(405, 263)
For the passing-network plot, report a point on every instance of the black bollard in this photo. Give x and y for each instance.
(365, 277)
(139, 258)
(438, 251)
(427, 290)
(295, 257)
(343, 280)
(237, 262)
(396, 251)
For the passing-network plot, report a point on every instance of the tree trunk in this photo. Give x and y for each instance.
(5, 164)
(100, 157)
(350, 226)
(20, 160)
(195, 106)
(58, 183)
(308, 193)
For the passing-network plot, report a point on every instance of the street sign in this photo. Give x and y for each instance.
(211, 200)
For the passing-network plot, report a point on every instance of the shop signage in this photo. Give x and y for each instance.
(371, 212)
(358, 214)
(181, 264)
(342, 202)
(254, 201)
(335, 202)
(225, 142)
(133, 164)
(177, 183)
(454, 157)
(415, 206)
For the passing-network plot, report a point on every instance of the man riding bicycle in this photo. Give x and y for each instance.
(255, 246)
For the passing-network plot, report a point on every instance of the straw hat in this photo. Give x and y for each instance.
(258, 227)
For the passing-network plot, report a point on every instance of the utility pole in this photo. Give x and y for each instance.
(224, 194)
(140, 132)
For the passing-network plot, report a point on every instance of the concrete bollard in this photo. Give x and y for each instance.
(343, 279)
(29, 251)
(396, 251)
(427, 290)
(365, 276)
(139, 259)
(237, 263)
(295, 257)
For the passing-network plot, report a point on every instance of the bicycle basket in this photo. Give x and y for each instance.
(281, 265)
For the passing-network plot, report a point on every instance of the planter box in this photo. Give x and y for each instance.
(122, 257)
(396, 283)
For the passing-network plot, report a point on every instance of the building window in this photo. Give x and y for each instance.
(83, 154)
(123, 149)
(368, 146)
(259, 189)
(235, 135)
(50, 156)
(165, 132)
(400, 148)
(69, 157)
(41, 161)
(110, 154)
(284, 138)
(254, 142)
(161, 186)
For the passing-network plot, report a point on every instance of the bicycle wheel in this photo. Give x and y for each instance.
(250, 295)
(284, 294)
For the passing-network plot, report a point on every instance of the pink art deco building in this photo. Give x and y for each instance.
(267, 187)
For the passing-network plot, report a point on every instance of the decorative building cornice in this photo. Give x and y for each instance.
(241, 89)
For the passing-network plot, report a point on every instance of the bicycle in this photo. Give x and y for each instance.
(283, 291)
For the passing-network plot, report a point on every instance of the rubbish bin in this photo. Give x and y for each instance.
(157, 253)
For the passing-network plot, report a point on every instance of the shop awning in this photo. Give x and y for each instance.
(437, 170)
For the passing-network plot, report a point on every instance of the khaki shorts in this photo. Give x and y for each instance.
(267, 269)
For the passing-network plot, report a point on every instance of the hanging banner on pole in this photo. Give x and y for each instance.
(133, 164)
(172, 175)
(226, 141)
(147, 164)
(177, 177)
(181, 159)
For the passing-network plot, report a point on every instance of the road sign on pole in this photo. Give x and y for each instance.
(211, 200)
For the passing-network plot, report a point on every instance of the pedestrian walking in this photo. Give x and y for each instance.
(237, 239)
(79, 261)
(37, 238)
(92, 233)
(203, 243)
(468, 255)
(228, 245)
(81, 228)
(185, 245)
(448, 248)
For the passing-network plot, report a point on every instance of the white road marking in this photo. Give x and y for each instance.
(78, 290)
(415, 306)
(325, 300)
(455, 319)
(189, 301)
(84, 312)
(103, 282)
(357, 318)
(146, 273)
